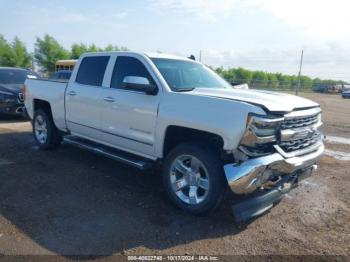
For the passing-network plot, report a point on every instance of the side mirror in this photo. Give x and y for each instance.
(139, 84)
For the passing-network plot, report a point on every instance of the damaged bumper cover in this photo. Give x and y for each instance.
(262, 200)
(251, 180)
(253, 173)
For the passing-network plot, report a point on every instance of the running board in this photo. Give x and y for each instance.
(121, 156)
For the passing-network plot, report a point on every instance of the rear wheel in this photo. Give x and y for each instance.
(193, 177)
(45, 132)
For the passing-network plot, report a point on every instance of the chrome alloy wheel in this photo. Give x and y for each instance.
(189, 179)
(40, 128)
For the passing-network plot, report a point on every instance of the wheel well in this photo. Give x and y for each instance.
(42, 104)
(176, 135)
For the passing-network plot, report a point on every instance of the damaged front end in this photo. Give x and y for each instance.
(275, 153)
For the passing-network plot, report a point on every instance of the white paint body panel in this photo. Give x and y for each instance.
(272, 101)
(51, 91)
(83, 110)
(137, 123)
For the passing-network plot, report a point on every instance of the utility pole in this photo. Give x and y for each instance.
(299, 76)
(200, 55)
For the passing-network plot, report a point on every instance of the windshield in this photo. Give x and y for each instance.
(10, 76)
(186, 75)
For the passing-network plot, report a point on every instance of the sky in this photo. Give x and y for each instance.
(263, 35)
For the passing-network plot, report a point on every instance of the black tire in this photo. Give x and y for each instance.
(53, 137)
(213, 165)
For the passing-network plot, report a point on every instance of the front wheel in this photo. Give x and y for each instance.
(193, 177)
(45, 132)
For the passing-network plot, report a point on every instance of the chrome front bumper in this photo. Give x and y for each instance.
(253, 173)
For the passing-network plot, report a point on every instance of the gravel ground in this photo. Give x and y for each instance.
(72, 202)
(336, 113)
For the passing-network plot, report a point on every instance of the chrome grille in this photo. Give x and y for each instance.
(299, 122)
(293, 145)
(299, 132)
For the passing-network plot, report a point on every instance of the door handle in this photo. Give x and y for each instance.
(109, 99)
(72, 93)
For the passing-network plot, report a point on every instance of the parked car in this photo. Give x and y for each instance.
(334, 89)
(62, 75)
(320, 88)
(11, 82)
(346, 91)
(329, 89)
(156, 109)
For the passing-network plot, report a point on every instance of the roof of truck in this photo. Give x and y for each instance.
(166, 56)
(150, 55)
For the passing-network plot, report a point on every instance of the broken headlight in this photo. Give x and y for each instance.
(260, 134)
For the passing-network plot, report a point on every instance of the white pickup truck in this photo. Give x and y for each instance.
(146, 109)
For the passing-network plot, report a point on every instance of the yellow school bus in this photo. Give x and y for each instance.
(65, 65)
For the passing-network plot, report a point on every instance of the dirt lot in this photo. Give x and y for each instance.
(336, 113)
(74, 202)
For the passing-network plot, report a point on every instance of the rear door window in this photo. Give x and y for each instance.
(91, 70)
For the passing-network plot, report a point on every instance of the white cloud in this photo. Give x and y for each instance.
(320, 18)
(204, 10)
(314, 18)
(323, 27)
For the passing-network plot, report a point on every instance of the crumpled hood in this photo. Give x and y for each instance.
(272, 101)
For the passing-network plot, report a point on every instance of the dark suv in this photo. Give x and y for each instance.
(11, 82)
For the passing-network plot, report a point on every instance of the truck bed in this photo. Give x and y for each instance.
(47, 90)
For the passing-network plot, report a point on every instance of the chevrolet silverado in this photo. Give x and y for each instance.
(176, 113)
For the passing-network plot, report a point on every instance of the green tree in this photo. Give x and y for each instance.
(115, 48)
(259, 79)
(21, 55)
(305, 83)
(295, 81)
(229, 75)
(317, 81)
(219, 70)
(110, 48)
(94, 48)
(6, 53)
(77, 50)
(272, 81)
(14, 54)
(285, 81)
(48, 51)
(243, 75)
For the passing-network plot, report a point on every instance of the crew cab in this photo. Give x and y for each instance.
(161, 110)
